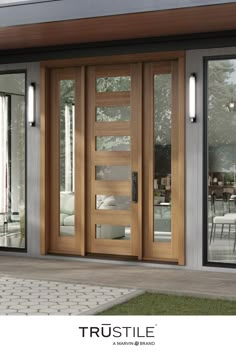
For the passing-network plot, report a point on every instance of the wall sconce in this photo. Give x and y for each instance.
(192, 98)
(31, 104)
(231, 106)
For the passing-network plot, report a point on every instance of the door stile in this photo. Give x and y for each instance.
(175, 192)
(80, 197)
(136, 156)
(90, 146)
(54, 157)
(147, 160)
(181, 159)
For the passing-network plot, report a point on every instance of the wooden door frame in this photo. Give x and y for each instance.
(50, 84)
(165, 251)
(179, 56)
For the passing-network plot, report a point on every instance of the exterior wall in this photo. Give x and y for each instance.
(194, 159)
(73, 9)
(33, 165)
(194, 164)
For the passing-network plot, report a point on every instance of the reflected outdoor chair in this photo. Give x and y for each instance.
(227, 218)
(221, 214)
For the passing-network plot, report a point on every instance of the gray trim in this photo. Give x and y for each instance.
(78, 9)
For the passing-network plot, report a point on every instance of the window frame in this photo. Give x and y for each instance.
(23, 249)
(206, 262)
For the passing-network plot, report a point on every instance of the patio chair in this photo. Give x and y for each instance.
(220, 209)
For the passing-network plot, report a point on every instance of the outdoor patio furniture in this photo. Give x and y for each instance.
(227, 219)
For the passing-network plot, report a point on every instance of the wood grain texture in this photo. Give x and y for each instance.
(66, 244)
(140, 25)
(140, 158)
(176, 212)
(174, 250)
(148, 170)
(97, 187)
(136, 157)
(113, 98)
(112, 187)
(181, 172)
(112, 128)
(44, 86)
(113, 59)
(80, 195)
(115, 158)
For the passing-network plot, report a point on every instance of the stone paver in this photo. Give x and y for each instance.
(37, 297)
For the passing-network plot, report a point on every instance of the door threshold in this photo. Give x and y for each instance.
(109, 258)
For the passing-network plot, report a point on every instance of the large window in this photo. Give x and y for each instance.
(221, 137)
(12, 160)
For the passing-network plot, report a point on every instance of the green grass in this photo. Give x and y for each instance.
(158, 304)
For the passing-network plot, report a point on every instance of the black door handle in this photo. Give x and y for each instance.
(135, 187)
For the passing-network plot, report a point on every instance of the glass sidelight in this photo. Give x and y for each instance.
(67, 157)
(163, 162)
(12, 160)
(65, 191)
(162, 157)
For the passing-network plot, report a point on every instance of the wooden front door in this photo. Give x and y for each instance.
(116, 160)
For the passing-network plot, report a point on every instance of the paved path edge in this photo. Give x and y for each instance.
(192, 294)
(114, 302)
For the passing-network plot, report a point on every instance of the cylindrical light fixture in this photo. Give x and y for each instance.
(31, 104)
(231, 106)
(192, 98)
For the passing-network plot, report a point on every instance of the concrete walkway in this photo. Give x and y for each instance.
(123, 279)
(20, 296)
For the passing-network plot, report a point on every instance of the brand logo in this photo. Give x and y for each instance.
(127, 335)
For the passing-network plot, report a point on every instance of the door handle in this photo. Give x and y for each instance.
(135, 187)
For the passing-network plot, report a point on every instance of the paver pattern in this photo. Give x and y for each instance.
(38, 297)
